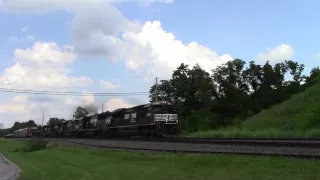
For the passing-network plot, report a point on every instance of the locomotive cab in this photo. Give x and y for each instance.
(165, 117)
(164, 112)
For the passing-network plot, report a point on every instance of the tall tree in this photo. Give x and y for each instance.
(313, 77)
(54, 121)
(231, 90)
(163, 91)
(80, 112)
(31, 123)
(188, 89)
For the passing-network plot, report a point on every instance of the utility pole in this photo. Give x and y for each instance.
(42, 122)
(156, 89)
(102, 107)
(42, 118)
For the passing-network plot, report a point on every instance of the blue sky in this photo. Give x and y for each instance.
(127, 45)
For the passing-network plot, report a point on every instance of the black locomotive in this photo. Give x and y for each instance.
(153, 119)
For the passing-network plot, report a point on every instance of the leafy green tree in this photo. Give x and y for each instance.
(21, 125)
(232, 93)
(164, 92)
(54, 121)
(313, 77)
(31, 123)
(80, 112)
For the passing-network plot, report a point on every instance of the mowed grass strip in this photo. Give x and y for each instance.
(95, 164)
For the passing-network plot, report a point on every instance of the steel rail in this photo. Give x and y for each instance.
(270, 142)
(266, 153)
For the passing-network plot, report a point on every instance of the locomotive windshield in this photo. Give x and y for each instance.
(163, 109)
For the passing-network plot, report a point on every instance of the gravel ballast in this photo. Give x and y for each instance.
(195, 148)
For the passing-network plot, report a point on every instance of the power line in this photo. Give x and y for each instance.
(71, 93)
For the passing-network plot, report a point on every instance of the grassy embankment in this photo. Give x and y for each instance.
(297, 117)
(94, 164)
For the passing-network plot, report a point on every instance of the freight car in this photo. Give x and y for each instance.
(25, 132)
(8, 136)
(153, 119)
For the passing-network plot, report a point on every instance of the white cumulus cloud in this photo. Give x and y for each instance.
(42, 67)
(43, 53)
(156, 52)
(95, 26)
(279, 53)
(147, 48)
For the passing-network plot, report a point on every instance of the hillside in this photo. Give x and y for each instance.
(297, 117)
(300, 112)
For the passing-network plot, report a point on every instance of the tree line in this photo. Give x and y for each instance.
(232, 93)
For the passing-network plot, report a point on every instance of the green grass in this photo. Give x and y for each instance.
(297, 117)
(264, 133)
(301, 112)
(94, 164)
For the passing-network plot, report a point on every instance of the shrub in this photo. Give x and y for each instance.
(202, 119)
(33, 145)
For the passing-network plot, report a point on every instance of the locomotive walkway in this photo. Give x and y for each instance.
(8, 171)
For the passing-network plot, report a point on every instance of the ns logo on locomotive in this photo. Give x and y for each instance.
(152, 119)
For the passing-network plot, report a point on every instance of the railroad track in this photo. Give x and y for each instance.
(297, 152)
(261, 147)
(268, 142)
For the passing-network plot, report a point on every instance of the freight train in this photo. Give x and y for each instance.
(152, 119)
(22, 133)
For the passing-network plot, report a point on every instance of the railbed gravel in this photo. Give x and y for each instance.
(193, 148)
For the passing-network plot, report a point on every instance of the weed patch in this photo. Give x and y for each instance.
(33, 145)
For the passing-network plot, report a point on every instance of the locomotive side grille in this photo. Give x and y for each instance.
(166, 117)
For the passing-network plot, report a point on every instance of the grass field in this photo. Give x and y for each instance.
(297, 117)
(267, 133)
(95, 164)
